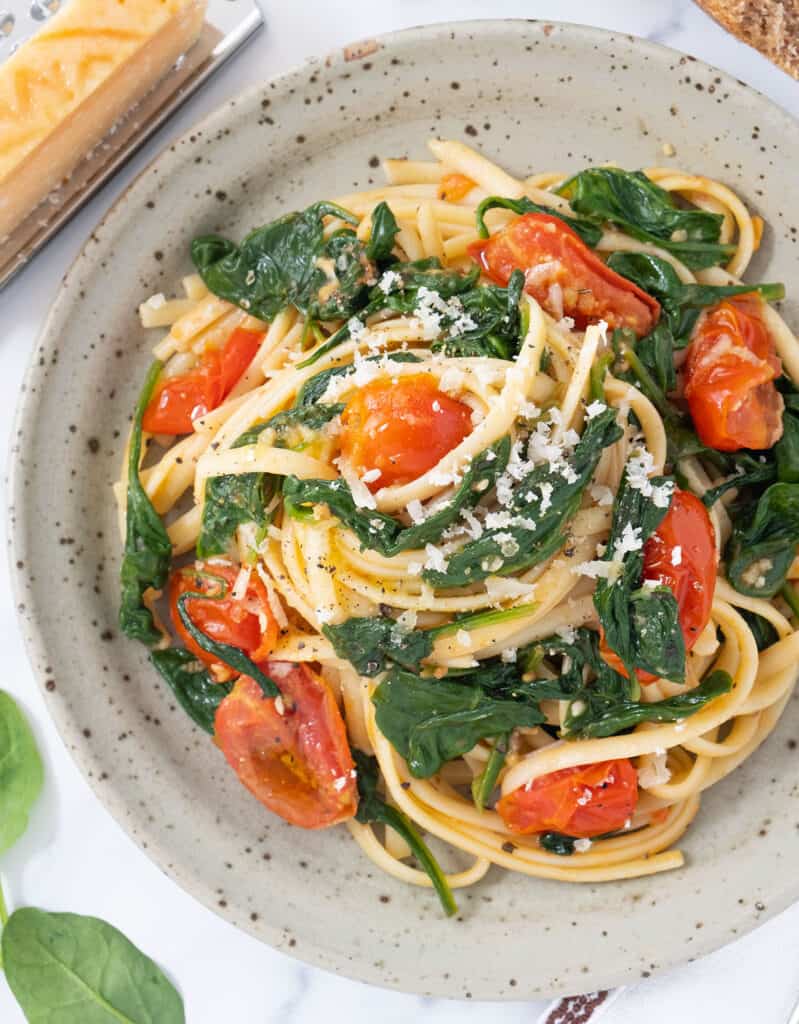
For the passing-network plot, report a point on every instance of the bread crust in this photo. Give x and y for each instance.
(771, 26)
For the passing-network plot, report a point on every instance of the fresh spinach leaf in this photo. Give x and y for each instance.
(786, 450)
(590, 233)
(749, 471)
(148, 551)
(430, 721)
(194, 689)
(274, 267)
(543, 502)
(81, 970)
(763, 542)
(233, 657)
(372, 808)
(384, 233)
(381, 532)
(647, 212)
(21, 772)
(641, 624)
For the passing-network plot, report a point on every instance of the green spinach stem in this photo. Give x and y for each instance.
(402, 825)
(484, 783)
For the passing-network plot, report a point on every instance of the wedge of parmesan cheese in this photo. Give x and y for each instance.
(65, 88)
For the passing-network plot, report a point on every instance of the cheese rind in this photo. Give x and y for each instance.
(63, 90)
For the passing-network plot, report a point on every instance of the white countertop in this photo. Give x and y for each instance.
(75, 857)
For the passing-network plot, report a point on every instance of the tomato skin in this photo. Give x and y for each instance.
(584, 801)
(402, 428)
(298, 763)
(686, 526)
(731, 394)
(182, 399)
(249, 624)
(454, 187)
(551, 253)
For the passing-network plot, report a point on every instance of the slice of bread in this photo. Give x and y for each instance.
(771, 26)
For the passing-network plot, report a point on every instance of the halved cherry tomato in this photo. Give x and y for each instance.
(249, 623)
(291, 752)
(564, 275)
(180, 400)
(453, 187)
(401, 428)
(584, 801)
(729, 374)
(681, 554)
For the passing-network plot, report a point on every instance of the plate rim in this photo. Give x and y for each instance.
(306, 950)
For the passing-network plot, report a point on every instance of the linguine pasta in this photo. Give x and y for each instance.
(319, 574)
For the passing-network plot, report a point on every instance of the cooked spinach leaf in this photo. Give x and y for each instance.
(368, 642)
(234, 499)
(647, 212)
(276, 265)
(233, 657)
(557, 842)
(21, 772)
(764, 633)
(430, 721)
(382, 532)
(484, 784)
(763, 542)
(641, 624)
(541, 505)
(194, 689)
(81, 970)
(148, 551)
(372, 808)
(491, 323)
(681, 303)
(313, 389)
(603, 706)
(588, 232)
(384, 232)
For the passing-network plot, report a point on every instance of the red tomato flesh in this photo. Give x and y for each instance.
(685, 536)
(564, 275)
(182, 399)
(729, 373)
(401, 428)
(249, 623)
(291, 752)
(585, 801)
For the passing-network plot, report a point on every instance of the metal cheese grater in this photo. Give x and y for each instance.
(229, 25)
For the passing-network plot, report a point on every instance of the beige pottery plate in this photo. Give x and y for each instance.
(535, 96)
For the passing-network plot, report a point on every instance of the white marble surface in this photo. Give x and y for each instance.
(76, 858)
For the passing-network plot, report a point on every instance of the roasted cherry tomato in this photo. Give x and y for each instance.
(585, 801)
(681, 553)
(180, 400)
(249, 623)
(401, 428)
(291, 752)
(729, 374)
(564, 275)
(454, 187)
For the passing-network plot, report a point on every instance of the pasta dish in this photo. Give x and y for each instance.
(467, 507)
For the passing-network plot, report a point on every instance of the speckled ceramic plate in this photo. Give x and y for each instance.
(534, 96)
